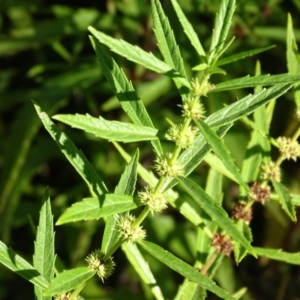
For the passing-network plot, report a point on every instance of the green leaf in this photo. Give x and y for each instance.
(203, 243)
(44, 258)
(167, 43)
(124, 91)
(126, 186)
(222, 152)
(215, 211)
(253, 158)
(141, 266)
(191, 291)
(263, 80)
(94, 208)
(285, 199)
(184, 269)
(216, 163)
(292, 55)
(246, 105)
(75, 157)
(138, 55)
(221, 28)
(295, 199)
(239, 251)
(69, 280)
(110, 130)
(20, 266)
(278, 254)
(191, 157)
(241, 55)
(188, 29)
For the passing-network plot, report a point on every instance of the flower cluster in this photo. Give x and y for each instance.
(222, 243)
(297, 113)
(270, 172)
(260, 193)
(129, 232)
(155, 201)
(63, 297)
(183, 138)
(164, 167)
(239, 212)
(103, 268)
(193, 109)
(288, 148)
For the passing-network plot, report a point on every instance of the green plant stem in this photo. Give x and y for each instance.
(209, 263)
(77, 291)
(113, 249)
(141, 217)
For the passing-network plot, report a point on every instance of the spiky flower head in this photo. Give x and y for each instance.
(103, 268)
(288, 148)
(201, 89)
(222, 243)
(66, 296)
(183, 138)
(130, 232)
(297, 113)
(240, 212)
(270, 172)
(192, 108)
(259, 192)
(164, 166)
(155, 201)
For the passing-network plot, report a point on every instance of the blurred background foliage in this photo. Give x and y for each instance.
(46, 56)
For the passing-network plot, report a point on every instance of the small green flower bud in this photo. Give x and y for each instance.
(128, 231)
(193, 109)
(165, 168)
(182, 138)
(298, 113)
(288, 148)
(156, 202)
(270, 172)
(103, 268)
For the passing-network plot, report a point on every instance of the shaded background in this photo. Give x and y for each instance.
(46, 57)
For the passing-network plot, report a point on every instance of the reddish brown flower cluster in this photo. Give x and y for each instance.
(222, 243)
(240, 213)
(260, 193)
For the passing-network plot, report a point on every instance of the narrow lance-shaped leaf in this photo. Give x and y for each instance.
(246, 105)
(293, 57)
(69, 280)
(75, 157)
(166, 42)
(221, 151)
(43, 259)
(241, 55)
(285, 199)
(126, 185)
(262, 80)
(215, 211)
(138, 55)
(278, 254)
(191, 157)
(110, 130)
(141, 266)
(96, 208)
(188, 29)
(20, 266)
(221, 28)
(124, 91)
(184, 269)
